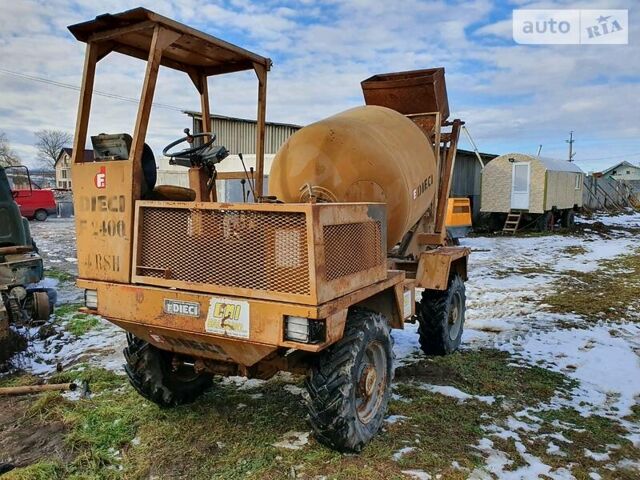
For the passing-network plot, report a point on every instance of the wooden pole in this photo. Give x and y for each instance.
(162, 38)
(37, 389)
(261, 73)
(84, 104)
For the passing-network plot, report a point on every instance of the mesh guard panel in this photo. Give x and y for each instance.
(228, 248)
(351, 248)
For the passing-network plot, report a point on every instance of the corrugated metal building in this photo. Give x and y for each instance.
(466, 179)
(239, 134)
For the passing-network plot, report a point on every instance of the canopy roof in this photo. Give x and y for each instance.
(131, 33)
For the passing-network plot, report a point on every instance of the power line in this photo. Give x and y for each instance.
(77, 89)
(609, 158)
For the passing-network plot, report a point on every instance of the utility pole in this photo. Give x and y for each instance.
(570, 142)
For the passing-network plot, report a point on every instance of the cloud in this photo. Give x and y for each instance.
(513, 97)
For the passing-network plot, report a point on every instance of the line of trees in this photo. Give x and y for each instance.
(48, 145)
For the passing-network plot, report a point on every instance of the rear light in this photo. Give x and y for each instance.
(303, 330)
(91, 299)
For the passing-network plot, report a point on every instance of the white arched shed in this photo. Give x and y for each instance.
(531, 185)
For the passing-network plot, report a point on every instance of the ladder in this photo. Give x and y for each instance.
(512, 222)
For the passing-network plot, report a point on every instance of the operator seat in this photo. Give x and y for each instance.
(161, 192)
(117, 147)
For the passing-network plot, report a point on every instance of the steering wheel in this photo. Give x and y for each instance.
(189, 139)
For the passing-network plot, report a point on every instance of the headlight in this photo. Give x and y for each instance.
(303, 330)
(91, 299)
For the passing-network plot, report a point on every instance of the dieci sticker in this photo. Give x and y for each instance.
(228, 317)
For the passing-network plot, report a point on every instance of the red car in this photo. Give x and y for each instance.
(35, 203)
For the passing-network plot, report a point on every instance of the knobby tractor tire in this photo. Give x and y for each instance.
(441, 318)
(350, 385)
(150, 372)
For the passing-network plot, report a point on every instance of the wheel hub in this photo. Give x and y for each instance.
(368, 380)
(371, 382)
(455, 317)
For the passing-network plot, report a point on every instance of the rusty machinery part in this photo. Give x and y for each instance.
(40, 307)
(349, 386)
(366, 154)
(441, 318)
(158, 378)
(568, 218)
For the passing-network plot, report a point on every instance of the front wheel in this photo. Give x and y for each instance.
(441, 318)
(350, 385)
(41, 215)
(153, 375)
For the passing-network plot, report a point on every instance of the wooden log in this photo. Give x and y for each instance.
(37, 388)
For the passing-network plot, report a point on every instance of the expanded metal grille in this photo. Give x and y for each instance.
(229, 248)
(351, 248)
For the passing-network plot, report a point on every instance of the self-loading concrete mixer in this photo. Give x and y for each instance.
(366, 154)
(311, 282)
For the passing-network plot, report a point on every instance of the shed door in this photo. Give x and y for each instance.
(520, 181)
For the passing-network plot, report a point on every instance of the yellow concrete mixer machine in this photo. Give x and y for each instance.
(309, 278)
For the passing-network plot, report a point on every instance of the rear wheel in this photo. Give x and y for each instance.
(350, 386)
(568, 219)
(441, 318)
(41, 215)
(153, 375)
(545, 222)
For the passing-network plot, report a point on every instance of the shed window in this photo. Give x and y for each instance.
(628, 172)
(578, 181)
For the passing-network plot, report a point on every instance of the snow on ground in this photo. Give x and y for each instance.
(101, 347)
(508, 277)
(453, 392)
(629, 220)
(603, 358)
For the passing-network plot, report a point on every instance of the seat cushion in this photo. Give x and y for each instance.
(172, 193)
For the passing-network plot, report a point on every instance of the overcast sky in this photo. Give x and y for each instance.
(513, 97)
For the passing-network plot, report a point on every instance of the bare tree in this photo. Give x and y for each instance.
(7, 155)
(49, 144)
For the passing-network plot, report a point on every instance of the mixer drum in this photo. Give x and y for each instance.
(366, 154)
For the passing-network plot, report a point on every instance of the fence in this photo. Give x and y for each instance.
(606, 193)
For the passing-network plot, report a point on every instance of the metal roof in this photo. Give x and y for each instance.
(131, 33)
(196, 114)
(558, 165)
(553, 164)
(618, 165)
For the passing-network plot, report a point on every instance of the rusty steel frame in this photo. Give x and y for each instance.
(108, 221)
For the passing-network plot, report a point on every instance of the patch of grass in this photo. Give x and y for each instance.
(19, 380)
(58, 274)
(228, 433)
(606, 293)
(67, 309)
(81, 323)
(489, 372)
(574, 250)
(99, 379)
(594, 433)
(533, 270)
(37, 471)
